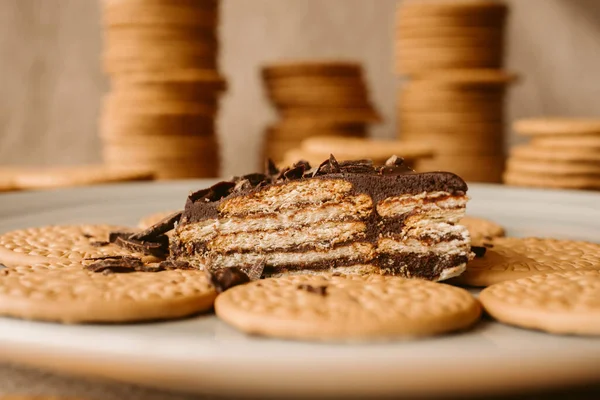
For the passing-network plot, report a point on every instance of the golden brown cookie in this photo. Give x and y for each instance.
(355, 148)
(333, 115)
(544, 154)
(563, 303)
(550, 180)
(514, 258)
(466, 77)
(310, 68)
(481, 229)
(558, 168)
(60, 244)
(471, 167)
(159, 13)
(557, 126)
(343, 308)
(79, 296)
(80, 175)
(589, 141)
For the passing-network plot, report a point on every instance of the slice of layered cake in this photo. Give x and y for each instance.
(347, 217)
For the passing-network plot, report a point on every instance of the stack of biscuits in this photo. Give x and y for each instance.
(316, 98)
(563, 153)
(161, 56)
(453, 98)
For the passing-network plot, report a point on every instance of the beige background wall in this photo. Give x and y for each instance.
(51, 82)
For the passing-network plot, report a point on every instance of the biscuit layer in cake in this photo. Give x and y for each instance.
(349, 217)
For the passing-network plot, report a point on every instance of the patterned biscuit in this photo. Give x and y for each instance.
(310, 68)
(561, 168)
(77, 296)
(356, 148)
(549, 154)
(557, 126)
(59, 242)
(589, 141)
(481, 229)
(551, 180)
(340, 308)
(563, 303)
(81, 175)
(514, 258)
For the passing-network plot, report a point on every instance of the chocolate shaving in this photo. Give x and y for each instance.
(99, 243)
(479, 251)
(320, 290)
(159, 247)
(255, 179)
(270, 168)
(255, 271)
(199, 195)
(357, 167)
(395, 166)
(116, 264)
(113, 236)
(161, 227)
(226, 278)
(177, 264)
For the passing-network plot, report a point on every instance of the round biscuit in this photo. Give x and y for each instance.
(550, 154)
(589, 141)
(80, 296)
(557, 126)
(550, 180)
(513, 258)
(481, 229)
(60, 244)
(353, 308)
(81, 175)
(356, 148)
(562, 303)
(516, 165)
(118, 13)
(311, 68)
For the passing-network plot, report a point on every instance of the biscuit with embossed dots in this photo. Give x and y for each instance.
(346, 308)
(564, 303)
(514, 258)
(80, 296)
(481, 229)
(60, 242)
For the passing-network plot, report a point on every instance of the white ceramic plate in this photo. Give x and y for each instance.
(204, 355)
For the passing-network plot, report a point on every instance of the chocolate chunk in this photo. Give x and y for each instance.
(177, 264)
(395, 166)
(159, 247)
(270, 168)
(479, 251)
(199, 195)
(255, 178)
(329, 166)
(255, 271)
(116, 264)
(320, 290)
(161, 227)
(226, 278)
(113, 236)
(99, 243)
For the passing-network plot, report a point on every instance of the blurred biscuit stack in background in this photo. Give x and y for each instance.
(161, 56)
(316, 98)
(451, 53)
(562, 153)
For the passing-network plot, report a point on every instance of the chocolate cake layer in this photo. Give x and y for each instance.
(334, 216)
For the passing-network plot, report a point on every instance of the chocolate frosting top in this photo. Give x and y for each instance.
(392, 179)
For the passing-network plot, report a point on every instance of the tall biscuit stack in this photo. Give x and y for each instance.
(453, 98)
(316, 98)
(563, 153)
(161, 56)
